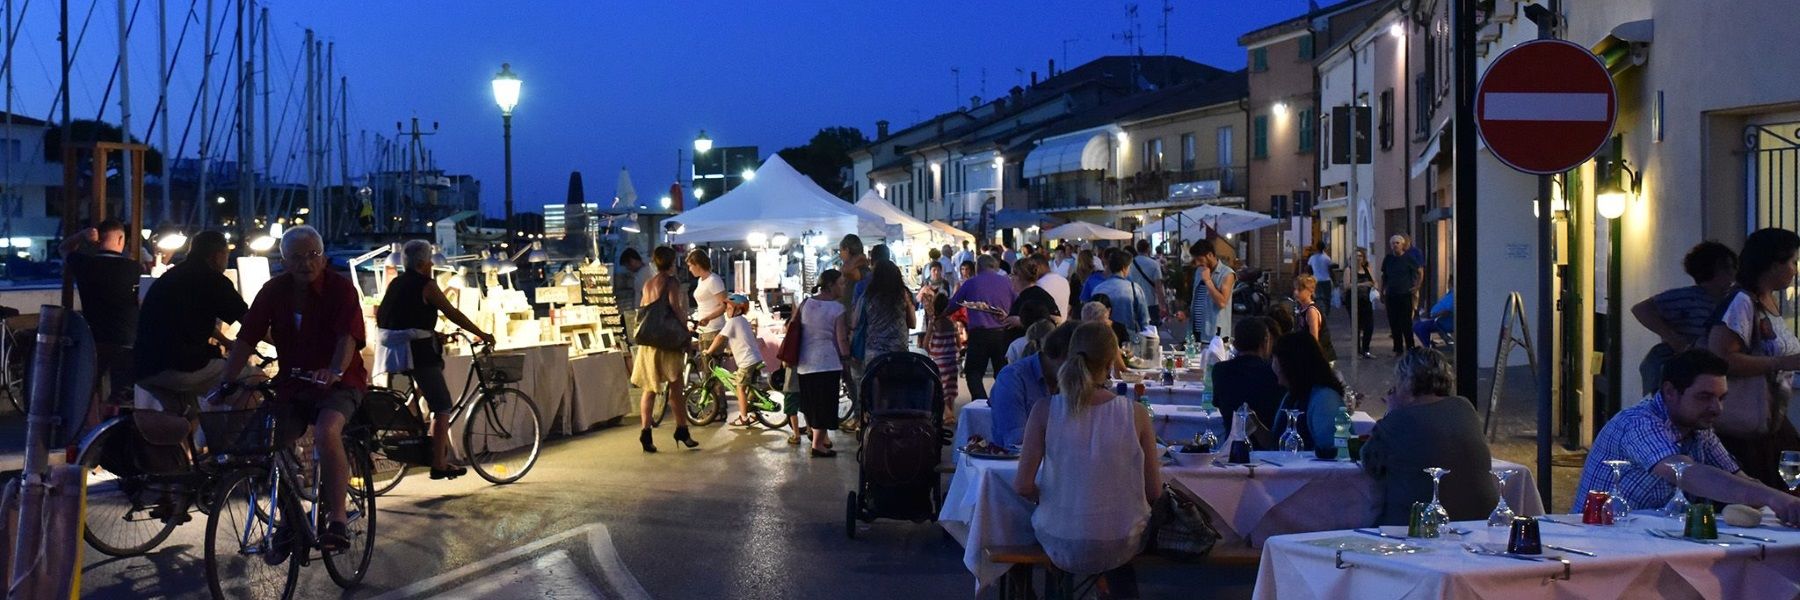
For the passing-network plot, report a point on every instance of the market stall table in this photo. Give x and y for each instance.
(981, 509)
(546, 379)
(1173, 423)
(1628, 563)
(598, 393)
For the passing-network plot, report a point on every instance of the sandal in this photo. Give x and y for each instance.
(793, 439)
(742, 420)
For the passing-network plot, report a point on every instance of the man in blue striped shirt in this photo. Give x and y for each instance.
(1674, 425)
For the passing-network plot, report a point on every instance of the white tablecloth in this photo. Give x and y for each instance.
(546, 380)
(1631, 564)
(982, 510)
(599, 391)
(1174, 423)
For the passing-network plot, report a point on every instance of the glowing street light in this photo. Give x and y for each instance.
(506, 94)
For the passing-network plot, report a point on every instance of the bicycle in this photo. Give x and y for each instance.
(765, 404)
(493, 414)
(15, 362)
(262, 526)
(693, 377)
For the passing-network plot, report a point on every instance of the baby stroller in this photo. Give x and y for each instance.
(902, 408)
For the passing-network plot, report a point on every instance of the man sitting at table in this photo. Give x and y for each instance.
(1248, 379)
(1671, 426)
(1427, 426)
(1024, 384)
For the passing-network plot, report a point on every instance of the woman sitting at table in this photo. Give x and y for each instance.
(1312, 387)
(1098, 453)
(1427, 426)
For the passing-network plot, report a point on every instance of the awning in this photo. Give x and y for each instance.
(1087, 152)
(1429, 153)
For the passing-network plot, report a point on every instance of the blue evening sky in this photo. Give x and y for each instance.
(610, 84)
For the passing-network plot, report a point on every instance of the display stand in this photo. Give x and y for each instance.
(597, 291)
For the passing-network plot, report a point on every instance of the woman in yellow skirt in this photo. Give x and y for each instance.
(654, 368)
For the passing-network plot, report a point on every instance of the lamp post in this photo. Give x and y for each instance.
(506, 94)
(702, 145)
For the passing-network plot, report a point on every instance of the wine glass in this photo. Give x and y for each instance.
(1790, 469)
(1503, 514)
(1436, 518)
(1678, 504)
(1209, 439)
(1290, 439)
(1621, 508)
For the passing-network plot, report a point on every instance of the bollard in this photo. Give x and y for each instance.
(45, 549)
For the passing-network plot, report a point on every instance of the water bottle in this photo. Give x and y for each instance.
(1341, 432)
(1206, 389)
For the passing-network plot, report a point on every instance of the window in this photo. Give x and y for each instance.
(1259, 60)
(1153, 155)
(1188, 151)
(1387, 119)
(1259, 134)
(1327, 130)
(1306, 48)
(1225, 151)
(1306, 130)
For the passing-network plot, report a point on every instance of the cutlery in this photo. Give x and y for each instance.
(1546, 519)
(1472, 549)
(1749, 537)
(1671, 536)
(1571, 550)
(1378, 533)
(1270, 462)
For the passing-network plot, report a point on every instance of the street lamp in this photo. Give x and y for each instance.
(702, 145)
(506, 94)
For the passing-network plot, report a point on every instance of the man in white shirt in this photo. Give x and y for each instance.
(947, 258)
(1065, 261)
(746, 353)
(1146, 271)
(1320, 264)
(964, 256)
(1058, 287)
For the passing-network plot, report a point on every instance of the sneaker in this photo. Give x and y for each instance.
(450, 473)
(333, 537)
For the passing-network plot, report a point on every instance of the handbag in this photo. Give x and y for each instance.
(1759, 402)
(789, 352)
(1179, 527)
(658, 325)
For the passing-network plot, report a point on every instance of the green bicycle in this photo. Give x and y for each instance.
(706, 403)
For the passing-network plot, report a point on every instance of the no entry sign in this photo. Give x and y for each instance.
(1545, 106)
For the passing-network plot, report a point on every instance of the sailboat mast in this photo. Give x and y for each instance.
(162, 104)
(7, 200)
(125, 187)
(312, 165)
(246, 113)
(344, 140)
(206, 53)
(268, 162)
(330, 103)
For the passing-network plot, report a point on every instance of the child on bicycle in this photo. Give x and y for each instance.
(942, 342)
(746, 353)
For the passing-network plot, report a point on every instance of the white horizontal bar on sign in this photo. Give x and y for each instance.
(1545, 106)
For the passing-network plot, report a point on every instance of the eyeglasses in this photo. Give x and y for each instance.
(307, 255)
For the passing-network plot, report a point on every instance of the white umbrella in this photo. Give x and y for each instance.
(1224, 220)
(1083, 230)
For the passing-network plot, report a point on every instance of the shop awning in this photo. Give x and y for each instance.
(1087, 152)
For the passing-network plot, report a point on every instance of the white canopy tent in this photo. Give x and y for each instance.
(1083, 230)
(952, 231)
(778, 200)
(910, 227)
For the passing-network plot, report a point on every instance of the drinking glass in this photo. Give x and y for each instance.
(1503, 514)
(1436, 518)
(1678, 504)
(1620, 507)
(1790, 469)
(1209, 439)
(1290, 439)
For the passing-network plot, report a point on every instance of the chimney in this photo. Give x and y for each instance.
(1052, 71)
(881, 130)
(1034, 79)
(1017, 92)
(974, 102)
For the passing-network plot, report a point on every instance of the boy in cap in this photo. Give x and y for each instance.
(746, 353)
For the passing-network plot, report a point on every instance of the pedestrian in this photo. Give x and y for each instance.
(1754, 337)
(998, 252)
(1209, 314)
(880, 319)
(1034, 303)
(633, 274)
(1400, 279)
(746, 354)
(992, 293)
(1679, 317)
(709, 296)
(1439, 319)
(964, 256)
(824, 348)
(1147, 272)
(1086, 275)
(1309, 318)
(654, 369)
(108, 283)
(1130, 302)
(181, 314)
(1359, 300)
(1054, 283)
(407, 317)
(1320, 267)
(1427, 425)
(1064, 264)
(947, 259)
(943, 343)
(1313, 388)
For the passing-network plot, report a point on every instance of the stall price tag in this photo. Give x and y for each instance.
(553, 294)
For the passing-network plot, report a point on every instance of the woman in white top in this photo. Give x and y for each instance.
(1099, 468)
(1755, 339)
(824, 343)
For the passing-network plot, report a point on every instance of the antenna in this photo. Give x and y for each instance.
(984, 82)
(956, 74)
(1065, 45)
(1133, 33)
(1167, 7)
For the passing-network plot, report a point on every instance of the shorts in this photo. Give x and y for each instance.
(297, 407)
(747, 375)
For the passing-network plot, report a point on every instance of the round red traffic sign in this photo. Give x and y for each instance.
(1545, 106)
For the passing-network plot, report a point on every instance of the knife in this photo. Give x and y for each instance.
(1378, 533)
(1749, 537)
(1572, 550)
(1546, 519)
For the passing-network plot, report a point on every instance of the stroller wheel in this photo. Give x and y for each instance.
(850, 515)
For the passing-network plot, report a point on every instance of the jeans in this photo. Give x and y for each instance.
(1423, 330)
(987, 347)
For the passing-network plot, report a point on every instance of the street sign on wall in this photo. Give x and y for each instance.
(1545, 106)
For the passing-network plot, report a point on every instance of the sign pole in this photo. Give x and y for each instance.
(1545, 306)
(1462, 18)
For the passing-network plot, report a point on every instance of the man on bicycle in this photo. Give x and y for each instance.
(745, 353)
(313, 317)
(180, 316)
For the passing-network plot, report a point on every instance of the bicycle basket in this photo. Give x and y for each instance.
(235, 431)
(501, 368)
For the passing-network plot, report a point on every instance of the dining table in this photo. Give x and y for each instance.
(1173, 422)
(1643, 556)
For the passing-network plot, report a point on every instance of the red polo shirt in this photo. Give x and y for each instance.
(306, 337)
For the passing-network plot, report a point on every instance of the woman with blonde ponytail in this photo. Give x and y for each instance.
(1090, 463)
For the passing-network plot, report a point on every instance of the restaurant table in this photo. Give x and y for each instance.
(982, 510)
(598, 391)
(1174, 423)
(546, 380)
(1629, 563)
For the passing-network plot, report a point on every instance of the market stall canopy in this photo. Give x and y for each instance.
(952, 231)
(910, 226)
(778, 199)
(1083, 230)
(1192, 223)
(1068, 154)
(1019, 218)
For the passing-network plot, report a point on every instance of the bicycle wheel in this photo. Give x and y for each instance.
(704, 402)
(767, 405)
(503, 435)
(662, 409)
(250, 540)
(348, 567)
(119, 505)
(384, 473)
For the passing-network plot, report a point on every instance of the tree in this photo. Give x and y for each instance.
(826, 158)
(84, 131)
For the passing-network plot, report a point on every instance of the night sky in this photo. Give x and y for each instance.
(610, 83)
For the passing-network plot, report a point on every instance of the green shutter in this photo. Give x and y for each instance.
(1306, 48)
(1259, 60)
(1306, 130)
(1260, 147)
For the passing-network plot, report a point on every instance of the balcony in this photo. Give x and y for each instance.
(1088, 189)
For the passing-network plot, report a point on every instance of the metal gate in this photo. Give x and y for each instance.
(1773, 188)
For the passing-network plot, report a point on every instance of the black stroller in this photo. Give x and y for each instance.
(902, 412)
